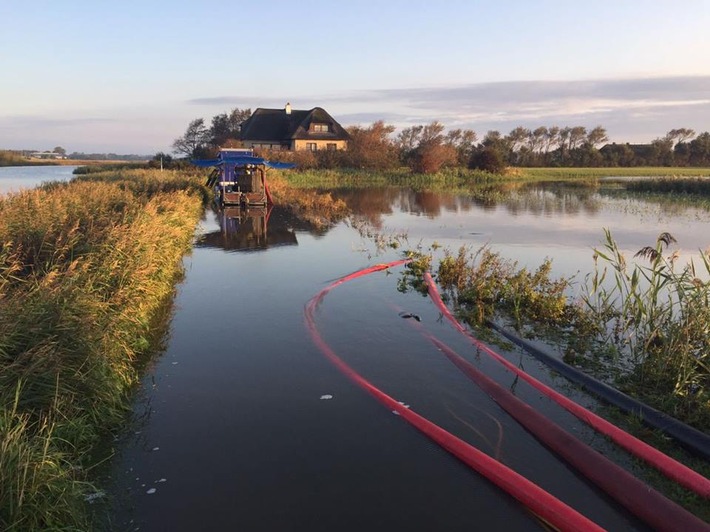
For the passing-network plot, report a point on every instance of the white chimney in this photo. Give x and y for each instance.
(288, 108)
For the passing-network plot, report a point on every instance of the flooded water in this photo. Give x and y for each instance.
(14, 178)
(243, 424)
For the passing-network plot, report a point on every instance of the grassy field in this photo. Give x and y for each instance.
(643, 171)
(86, 269)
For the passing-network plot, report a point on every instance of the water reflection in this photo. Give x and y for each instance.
(539, 199)
(250, 229)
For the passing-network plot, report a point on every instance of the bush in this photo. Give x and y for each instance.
(488, 159)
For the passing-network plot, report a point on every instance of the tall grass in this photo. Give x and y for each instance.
(448, 179)
(672, 185)
(85, 268)
(318, 208)
(640, 171)
(658, 318)
(644, 326)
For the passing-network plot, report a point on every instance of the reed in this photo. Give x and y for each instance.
(640, 171)
(85, 269)
(658, 318)
(643, 327)
(672, 185)
(318, 208)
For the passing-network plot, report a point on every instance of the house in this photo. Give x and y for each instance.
(293, 130)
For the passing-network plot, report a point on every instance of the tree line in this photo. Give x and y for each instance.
(429, 148)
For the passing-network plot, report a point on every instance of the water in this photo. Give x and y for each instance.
(15, 178)
(233, 428)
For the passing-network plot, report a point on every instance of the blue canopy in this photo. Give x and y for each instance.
(241, 160)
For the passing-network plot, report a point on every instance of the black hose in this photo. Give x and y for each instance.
(692, 439)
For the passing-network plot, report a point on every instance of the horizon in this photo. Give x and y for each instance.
(129, 80)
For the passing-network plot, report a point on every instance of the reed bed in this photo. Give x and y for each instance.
(644, 326)
(449, 179)
(640, 171)
(85, 269)
(312, 205)
(697, 186)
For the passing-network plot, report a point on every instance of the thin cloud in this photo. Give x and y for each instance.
(631, 109)
(20, 121)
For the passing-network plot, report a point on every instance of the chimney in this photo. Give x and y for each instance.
(288, 108)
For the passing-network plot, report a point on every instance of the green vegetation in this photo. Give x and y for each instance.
(14, 158)
(86, 269)
(657, 319)
(318, 208)
(643, 327)
(592, 173)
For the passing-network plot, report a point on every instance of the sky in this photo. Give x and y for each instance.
(128, 77)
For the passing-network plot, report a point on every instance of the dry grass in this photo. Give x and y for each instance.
(85, 268)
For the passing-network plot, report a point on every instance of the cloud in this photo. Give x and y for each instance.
(640, 108)
(26, 121)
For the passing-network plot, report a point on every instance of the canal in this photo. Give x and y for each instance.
(242, 423)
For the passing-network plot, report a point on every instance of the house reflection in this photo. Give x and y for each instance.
(249, 229)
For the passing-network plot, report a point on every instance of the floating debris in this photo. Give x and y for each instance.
(91, 497)
(161, 480)
(407, 315)
(401, 403)
(151, 491)
(326, 397)
(156, 448)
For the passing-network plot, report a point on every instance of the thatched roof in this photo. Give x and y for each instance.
(276, 125)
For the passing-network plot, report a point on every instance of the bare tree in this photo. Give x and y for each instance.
(196, 136)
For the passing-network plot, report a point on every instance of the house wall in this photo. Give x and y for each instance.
(296, 145)
(302, 144)
(266, 145)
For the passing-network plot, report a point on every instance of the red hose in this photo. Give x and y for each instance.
(673, 469)
(641, 500)
(542, 503)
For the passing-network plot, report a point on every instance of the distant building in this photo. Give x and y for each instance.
(293, 130)
(45, 155)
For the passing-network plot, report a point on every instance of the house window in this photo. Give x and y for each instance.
(320, 128)
(331, 146)
(311, 146)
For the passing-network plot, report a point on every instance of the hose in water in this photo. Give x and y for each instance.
(671, 468)
(637, 497)
(540, 502)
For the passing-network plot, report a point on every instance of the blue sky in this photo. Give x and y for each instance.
(128, 77)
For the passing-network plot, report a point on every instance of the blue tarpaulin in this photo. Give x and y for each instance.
(241, 160)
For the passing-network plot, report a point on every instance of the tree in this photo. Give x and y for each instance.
(597, 136)
(464, 142)
(407, 140)
(537, 138)
(226, 126)
(431, 156)
(372, 147)
(488, 158)
(678, 136)
(431, 152)
(518, 137)
(700, 150)
(662, 151)
(577, 136)
(193, 142)
(61, 151)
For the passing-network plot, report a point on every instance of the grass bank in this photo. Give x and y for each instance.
(588, 173)
(641, 327)
(85, 268)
